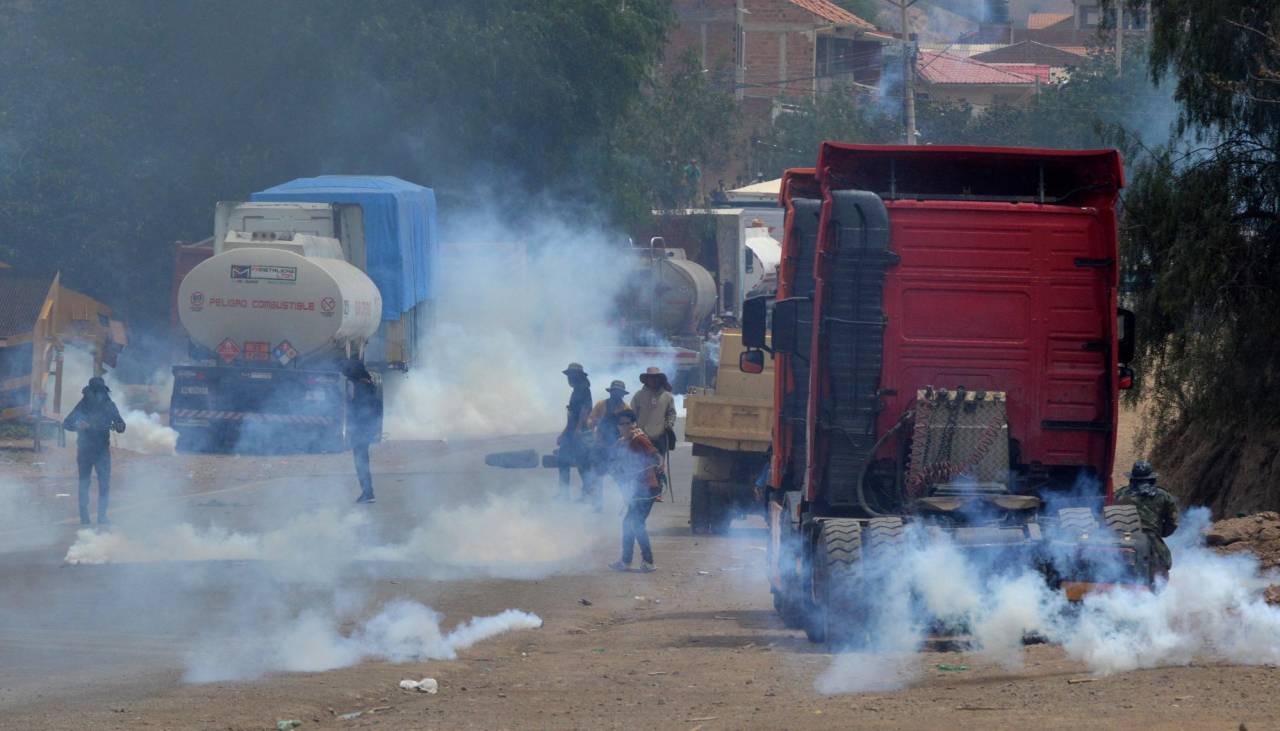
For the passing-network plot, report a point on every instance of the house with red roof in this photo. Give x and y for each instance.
(774, 51)
(946, 77)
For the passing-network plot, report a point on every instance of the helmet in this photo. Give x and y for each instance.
(1142, 472)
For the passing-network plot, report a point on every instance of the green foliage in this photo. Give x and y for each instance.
(796, 133)
(1202, 224)
(868, 10)
(681, 117)
(122, 122)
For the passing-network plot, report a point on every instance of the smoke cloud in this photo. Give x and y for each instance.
(145, 432)
(25, 521)
(401, 631)
(537, 538)
(1211, 607)
(517, 306)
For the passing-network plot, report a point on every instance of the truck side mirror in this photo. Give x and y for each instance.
(751, 361)
(786, 324)
(755, 321)
(1126, 325)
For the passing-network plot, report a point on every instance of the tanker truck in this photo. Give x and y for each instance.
(662, 310)
(298, 279)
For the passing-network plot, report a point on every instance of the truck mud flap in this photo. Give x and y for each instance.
(853, 324)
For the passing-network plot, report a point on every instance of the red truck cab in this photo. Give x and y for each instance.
(911, 274)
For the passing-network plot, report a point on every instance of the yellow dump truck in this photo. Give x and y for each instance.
(730, 428)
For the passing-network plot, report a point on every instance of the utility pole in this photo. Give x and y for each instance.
(908, 70)
(1119, 36)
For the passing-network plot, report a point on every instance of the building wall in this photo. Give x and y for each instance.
(979, 96)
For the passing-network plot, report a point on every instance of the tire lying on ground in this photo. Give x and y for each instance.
(520, 459)
(1122, 518)
(1072, 522)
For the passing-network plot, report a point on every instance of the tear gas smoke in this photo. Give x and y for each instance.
(536, 539)
(25, 522)
(512, 315)
(145, 432)
(401, 631)
(1212, 607)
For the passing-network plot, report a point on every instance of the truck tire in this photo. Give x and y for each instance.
(719, 509)
(883, 535)
(837, 567)
(1122, 518)
(1074, 521)
(699, 506)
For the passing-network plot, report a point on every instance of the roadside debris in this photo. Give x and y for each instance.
(585, 602)
(947, 667)
(1077, 681)
(351, 716)
(287, 724)
(426, 685)
(1258, 534)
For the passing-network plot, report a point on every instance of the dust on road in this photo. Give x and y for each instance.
(695, 644)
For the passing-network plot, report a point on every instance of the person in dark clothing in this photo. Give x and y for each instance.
(574, 442)
(364, 423)
(1157, 510)
(93, 420)
(639, 470)
(603, 421)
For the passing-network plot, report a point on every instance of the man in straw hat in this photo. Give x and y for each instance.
(655, 409)
(603, 421)
(93, 420)
(574, 442)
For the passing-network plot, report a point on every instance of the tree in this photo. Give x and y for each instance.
(122, 122)
(843, 114)
(1202, 245)
(681, 117)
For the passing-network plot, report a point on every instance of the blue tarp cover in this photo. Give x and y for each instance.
(401, 242)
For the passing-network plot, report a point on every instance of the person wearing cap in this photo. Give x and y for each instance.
(364, 423)
(655, 409)
(574, 442)
(603, 422)
(93, 420)
(639, 470)
(1156, 508)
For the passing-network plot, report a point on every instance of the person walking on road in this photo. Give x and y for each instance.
(1157, 509)
(364, 423)
(93, 420)
(574, 442)
(603, 421)
(655, 409)
(639, 469)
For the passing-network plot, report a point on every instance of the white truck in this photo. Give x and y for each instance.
(289, 292)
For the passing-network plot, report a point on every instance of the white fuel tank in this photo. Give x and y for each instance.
(257, 296)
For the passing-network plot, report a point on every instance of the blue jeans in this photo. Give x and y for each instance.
(633, 530)
(89, 461)
(360, 450)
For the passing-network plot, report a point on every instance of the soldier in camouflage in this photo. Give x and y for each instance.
(1157, 509)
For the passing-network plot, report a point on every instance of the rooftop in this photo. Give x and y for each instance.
(1038, 72)
(1030, 52)
(833, 13)
(944, 68)
(24, 295)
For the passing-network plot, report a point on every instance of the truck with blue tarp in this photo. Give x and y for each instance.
(297, 280)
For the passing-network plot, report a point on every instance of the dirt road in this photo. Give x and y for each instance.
(694, 645)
